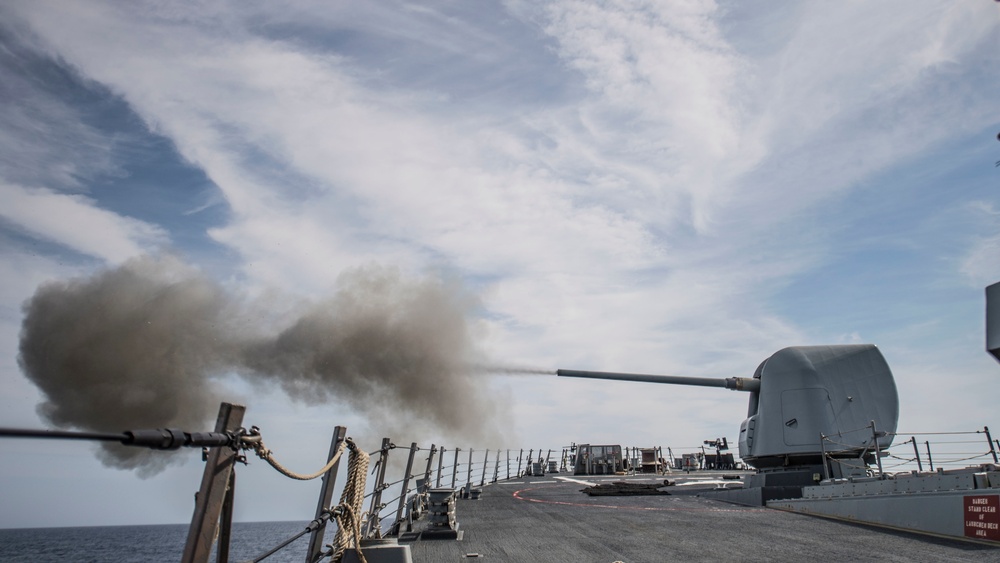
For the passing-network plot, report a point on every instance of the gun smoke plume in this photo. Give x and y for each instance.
(514, 370)
(138, 346)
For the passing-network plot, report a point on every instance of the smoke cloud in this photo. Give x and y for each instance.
(140, 346)
(514, 370)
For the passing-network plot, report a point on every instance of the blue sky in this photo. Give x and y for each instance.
(668, 187)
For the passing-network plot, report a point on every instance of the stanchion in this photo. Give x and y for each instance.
(214, 485)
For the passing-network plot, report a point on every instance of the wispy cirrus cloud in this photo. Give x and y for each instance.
(44, 139)
(74, 222)
(669, 157)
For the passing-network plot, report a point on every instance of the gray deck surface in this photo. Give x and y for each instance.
(548, 519)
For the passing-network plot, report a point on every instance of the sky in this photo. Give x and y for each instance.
(678, 187)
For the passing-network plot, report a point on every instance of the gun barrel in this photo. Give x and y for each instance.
(734, 383)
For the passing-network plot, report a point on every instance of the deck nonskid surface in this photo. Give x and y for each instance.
(549, 519)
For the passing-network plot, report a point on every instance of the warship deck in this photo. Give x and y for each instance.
(549, 519)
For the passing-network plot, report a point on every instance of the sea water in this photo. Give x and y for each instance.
(127, 544)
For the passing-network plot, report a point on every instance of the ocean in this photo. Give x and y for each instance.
(127, 544)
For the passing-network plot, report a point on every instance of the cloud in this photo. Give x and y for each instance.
(664, 108)
(855, 89)
(44, 139)
(981, 264)
(360, 166)
(75, 222)
(675, 162)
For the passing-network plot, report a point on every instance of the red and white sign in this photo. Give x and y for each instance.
(982, 517)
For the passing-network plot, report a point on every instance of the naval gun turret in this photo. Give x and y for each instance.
(845, 393)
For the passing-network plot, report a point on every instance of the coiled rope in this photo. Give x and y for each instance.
(348, 512)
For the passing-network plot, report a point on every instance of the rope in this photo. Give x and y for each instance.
(348, 513)
(265, 454)
(347, 523)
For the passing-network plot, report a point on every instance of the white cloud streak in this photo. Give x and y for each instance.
(74, 222)
(649, 180)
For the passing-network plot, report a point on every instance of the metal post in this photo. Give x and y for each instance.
(826, 462)
(427, 472)
(930, 460)
(989, 440)
(375, 508)
(325, 495)
(496, 468)
(547, 456)
(468, 474)
(508, 464)
(878, 451)
(394, 531)
(531, 454)
(485, 461)
(437, 483)
(454, 469)
(214, 481)
(670, 452)
(519, 455)
(916, 453)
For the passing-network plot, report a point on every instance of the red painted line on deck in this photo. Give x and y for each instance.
(517, 495)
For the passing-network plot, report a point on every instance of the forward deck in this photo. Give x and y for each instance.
(549, 519)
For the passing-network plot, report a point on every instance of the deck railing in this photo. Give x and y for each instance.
(914, 452)
(384, 487)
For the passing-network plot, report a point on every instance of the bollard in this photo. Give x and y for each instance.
(441, 516)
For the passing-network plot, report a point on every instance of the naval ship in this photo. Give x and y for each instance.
(822, 473)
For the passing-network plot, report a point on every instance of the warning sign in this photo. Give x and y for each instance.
(982, 517)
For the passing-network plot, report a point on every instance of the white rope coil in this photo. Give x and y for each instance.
(348, 513)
